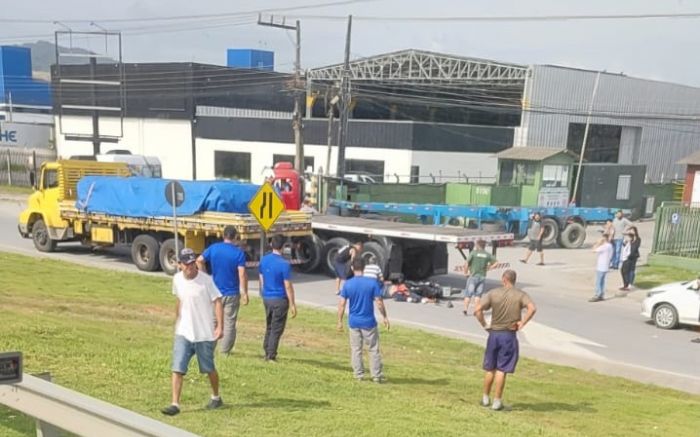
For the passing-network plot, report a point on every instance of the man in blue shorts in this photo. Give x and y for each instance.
(227, 263)
(502, 347)
(363, 292)
(478, 263)
(278, 296)
(198, 303)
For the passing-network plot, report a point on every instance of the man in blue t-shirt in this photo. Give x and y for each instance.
(362, 292)
(278, 296)
(227, 264)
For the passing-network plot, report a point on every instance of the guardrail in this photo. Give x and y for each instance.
(80, 414)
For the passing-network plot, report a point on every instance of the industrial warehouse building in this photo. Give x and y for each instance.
(415, 116)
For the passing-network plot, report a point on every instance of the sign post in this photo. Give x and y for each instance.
(266, 206)
(175, 196)
(10, 367)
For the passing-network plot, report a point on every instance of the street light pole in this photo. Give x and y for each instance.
(297, 123)
(344, 105)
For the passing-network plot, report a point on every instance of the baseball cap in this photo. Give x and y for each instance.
(187, 256)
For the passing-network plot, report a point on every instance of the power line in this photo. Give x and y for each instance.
(189, 17)
(506, 18)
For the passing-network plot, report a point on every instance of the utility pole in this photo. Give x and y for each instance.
(297, 123)
(585, 137)
(344, 105)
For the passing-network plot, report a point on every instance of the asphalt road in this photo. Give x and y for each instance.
(609, 337)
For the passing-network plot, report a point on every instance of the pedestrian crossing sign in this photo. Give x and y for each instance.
(266, 206)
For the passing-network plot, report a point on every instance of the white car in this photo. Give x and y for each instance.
(672, 304)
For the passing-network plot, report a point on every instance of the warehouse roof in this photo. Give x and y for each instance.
(693, 159)
(532, 153)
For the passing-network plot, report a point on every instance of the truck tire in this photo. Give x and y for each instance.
(168, 257)
(145, 251)
(41, 238)
(373, 249)
(573, 236)
(310, 248)
(330, 249)
(551, 231)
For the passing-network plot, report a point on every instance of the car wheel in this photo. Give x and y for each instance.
(665, 316)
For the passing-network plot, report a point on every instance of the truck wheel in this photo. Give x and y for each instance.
(573, 236)
(418, 264)
(145, 252)
(330, 249)
(42, 240)
(551, 231)
(373, 249)
(167, 255)
(310, 248)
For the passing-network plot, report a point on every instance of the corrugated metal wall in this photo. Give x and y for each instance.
(661, 121)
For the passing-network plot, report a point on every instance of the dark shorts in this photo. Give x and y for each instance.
(535, 245)
(502, 351)
(342, 271)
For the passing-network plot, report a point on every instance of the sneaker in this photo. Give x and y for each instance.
(379, 380)
(624, 289)
(215, 403)
(540, 264)
(595, 299)
(271, 360)
(523, 261)
(485, 401)
(465, 313)
(171, 410)
(497, 406)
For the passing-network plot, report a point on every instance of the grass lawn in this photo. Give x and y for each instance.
(653, 276)
(109, 334)
(12, 189)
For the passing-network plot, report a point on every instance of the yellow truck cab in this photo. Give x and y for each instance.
(56, 191)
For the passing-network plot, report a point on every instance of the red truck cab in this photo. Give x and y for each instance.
(289, 185)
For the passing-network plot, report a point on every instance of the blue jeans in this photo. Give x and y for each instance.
(183, 350)
(617, 250)
(600, 283)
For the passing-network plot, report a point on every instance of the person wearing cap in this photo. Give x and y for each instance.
(227, 262)
(198, 325)
(278, 296)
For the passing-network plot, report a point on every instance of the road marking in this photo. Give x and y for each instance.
(548, 338)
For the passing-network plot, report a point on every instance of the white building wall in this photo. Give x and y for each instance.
(169, 140)
(395, 161)
(452, 166)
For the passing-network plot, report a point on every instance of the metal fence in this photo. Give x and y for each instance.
(15, 164)
(677, 231)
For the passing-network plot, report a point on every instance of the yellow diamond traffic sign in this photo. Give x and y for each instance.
(266, 206)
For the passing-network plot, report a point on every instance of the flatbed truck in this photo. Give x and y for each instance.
(52, 218)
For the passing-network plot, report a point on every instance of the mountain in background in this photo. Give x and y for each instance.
(44, 56)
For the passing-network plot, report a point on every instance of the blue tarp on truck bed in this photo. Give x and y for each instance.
(145, 197)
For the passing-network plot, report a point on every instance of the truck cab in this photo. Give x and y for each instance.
(56, 186)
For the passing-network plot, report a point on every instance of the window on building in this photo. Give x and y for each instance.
(624, 183)
(308, 160)
(602, 145)
(555, 176)
(50, 178)
(517, 173)
(374, 169)
(415, 174)
(232, 165)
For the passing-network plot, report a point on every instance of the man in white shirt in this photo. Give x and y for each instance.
(196, 331)
(605, 252)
